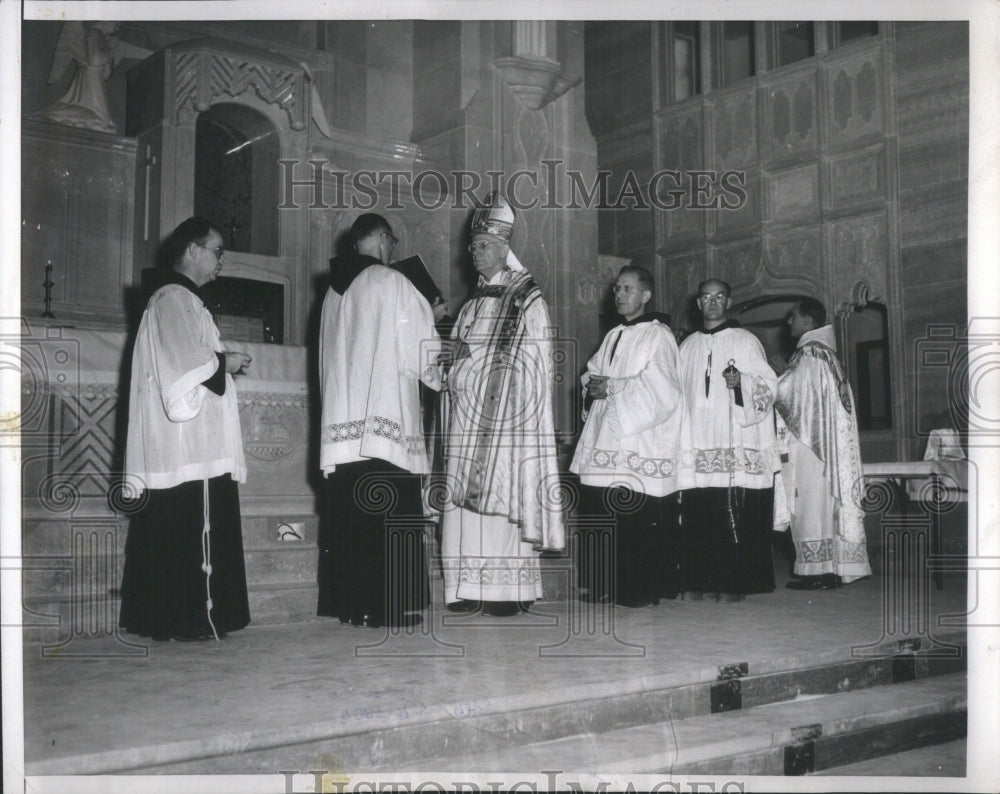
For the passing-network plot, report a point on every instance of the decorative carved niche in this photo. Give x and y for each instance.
(734, 128)
(790, 116)
(236, 177)
(855, 99)
(858, 251)
(213, 119)
(863, 333)
(793, 194)
(856, 179)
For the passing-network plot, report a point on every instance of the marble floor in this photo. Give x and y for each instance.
(121, 704)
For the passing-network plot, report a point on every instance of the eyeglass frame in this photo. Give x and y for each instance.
(219, 250)
(482, 245)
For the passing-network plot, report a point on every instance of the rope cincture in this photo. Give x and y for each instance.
(206, 556)
(731, 507)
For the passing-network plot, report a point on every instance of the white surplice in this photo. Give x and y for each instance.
(630, 438)
(377, 342)
(179, 430)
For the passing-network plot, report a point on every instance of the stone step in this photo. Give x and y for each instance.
(97, 567)
(939, 760)
(796, 737)
(55, 619)
(265, 530)
(781, 696)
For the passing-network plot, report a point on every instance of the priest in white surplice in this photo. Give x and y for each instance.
(626, 455)
(729, 457)
(184, 575)
(823, 471)
(377, 342)
(502, 483)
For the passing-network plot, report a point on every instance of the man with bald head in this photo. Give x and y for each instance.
(728, 456)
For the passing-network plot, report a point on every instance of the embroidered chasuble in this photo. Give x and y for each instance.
(500, 445)
(502, 480)
(823, 477)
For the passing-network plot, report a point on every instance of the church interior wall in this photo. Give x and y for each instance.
(440, 95)
(855, 172)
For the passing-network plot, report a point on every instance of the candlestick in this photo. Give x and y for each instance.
(48, 284)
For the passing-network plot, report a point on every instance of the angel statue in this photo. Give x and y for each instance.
(89, 45)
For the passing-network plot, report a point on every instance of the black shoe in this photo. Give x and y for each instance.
(501, 609)
(525, 606)
(633, 603)
(462, 607)
(405, 621)
(730, 598)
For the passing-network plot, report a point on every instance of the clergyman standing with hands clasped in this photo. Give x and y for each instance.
(504, 504)
(729, 456)
(626, 455)
(184, 574)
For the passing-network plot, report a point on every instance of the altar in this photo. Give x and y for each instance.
(76, 511)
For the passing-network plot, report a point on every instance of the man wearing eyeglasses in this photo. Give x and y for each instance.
(184, 575)
(500, 457)
(377, 343)
(626, 455)
(729, 457)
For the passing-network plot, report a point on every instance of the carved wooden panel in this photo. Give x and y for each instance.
(739, 204)
(792, 195)
(734, 128)
(681, 150)
(855, 99)
(738, 263)
(683, 274)
(856, 179)
(274, 427)
(858, 250)
(797, 254)
(790, 110)
(203, 77)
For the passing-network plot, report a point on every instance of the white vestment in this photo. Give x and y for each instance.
(377, 341)
(630, 438)
(179, 430)
(725, 444)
